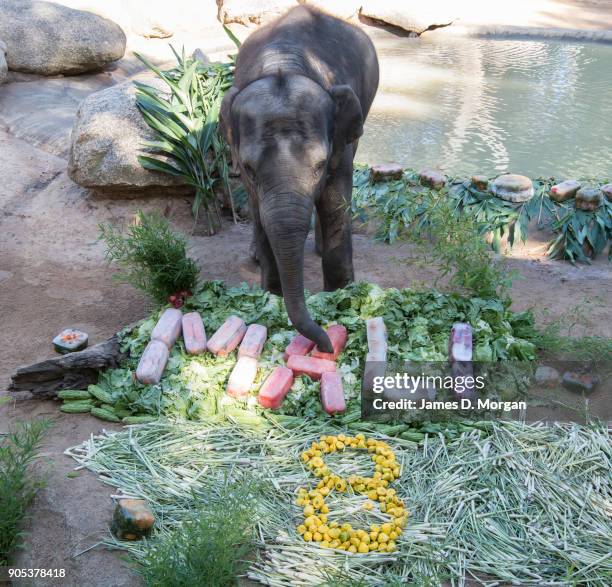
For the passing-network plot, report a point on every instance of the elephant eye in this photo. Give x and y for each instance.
(250, 172)
(319, 168)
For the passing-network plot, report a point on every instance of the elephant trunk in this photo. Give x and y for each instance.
(286, 220)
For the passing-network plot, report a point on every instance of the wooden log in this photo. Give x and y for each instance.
(71, 371)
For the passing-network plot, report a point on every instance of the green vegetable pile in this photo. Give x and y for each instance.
(403, 205)
(193, 387)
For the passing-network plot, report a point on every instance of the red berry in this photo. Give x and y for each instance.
(172, 299)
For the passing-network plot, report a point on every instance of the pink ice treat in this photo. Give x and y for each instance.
(275, 388)
(242, 377)
(332, 394)
(194, 335)
(253, 341)
(310, 366)
(460, 343)
(337, 335)
(377, 335)
(168, 327)
(300, 345)
(228, 337)
(152, 363)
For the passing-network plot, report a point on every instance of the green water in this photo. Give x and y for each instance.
(540, 108)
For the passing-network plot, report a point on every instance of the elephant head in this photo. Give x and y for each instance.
(287, 133)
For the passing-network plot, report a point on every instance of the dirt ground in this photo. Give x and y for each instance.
(53, 275)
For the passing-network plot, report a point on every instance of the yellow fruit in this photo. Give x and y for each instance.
(372, 495)
(307, 536)
(324, 509)
(352, 548)
(301, 529)
(367, 505)
(308, 510)
(373, 545)
(393, 535)
(324, 544)
(363, 547)
(355, 540)
(386, 528)
(317, 536)
(383, 538)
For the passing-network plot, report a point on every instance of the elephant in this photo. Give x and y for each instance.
(302, 89)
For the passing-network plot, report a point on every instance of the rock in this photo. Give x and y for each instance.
(248, 12)
(107, 137)
(512, 188)
(589, 198)
(386, 171)
(546, 376)
(564, 191)
(580, 382)
(51, 39)
(345, 9)
(3, 65)
(606, 190)
(409, 16)
(480, 182)
(132, 519)
(70, 341)
(432, 178)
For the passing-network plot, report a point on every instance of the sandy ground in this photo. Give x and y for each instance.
(53, 274)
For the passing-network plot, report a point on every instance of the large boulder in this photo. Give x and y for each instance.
(248, 12)
(3, 65)
(410, 16)
(51, 39)
(108, 136)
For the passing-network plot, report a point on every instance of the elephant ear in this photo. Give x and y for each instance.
(225, 116)
(348, 120)
(226, 124)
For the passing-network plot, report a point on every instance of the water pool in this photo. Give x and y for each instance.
(536, 107)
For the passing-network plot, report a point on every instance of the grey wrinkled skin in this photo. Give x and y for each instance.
(303, 87)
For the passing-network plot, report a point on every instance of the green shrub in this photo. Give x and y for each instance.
(457, 244)
(17, 490)
(210, 548)
(153, 257)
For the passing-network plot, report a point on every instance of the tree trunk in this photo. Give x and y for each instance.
(71, 371)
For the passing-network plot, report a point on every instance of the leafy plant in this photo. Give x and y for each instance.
(456, 243)
(153, 257)
(185, 120)
(582, 235)
(403, 209)
(17, 490)
(210, 547)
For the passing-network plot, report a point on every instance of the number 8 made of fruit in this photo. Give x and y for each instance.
(316, 528)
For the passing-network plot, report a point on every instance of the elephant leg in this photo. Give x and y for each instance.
(334, 212)
(318, 237)
(253, 247)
